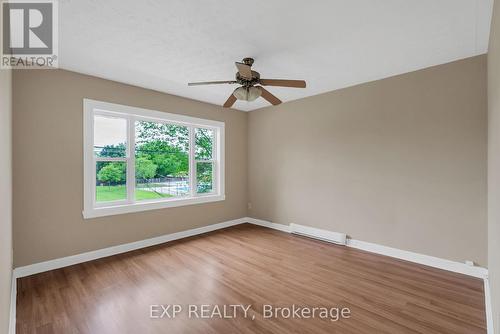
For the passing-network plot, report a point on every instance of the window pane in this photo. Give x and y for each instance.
(111, 179)
(162, 160)
(204, 172)
(110, 136)
(204, 144)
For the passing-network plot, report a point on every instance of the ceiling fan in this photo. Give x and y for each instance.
(248, 80)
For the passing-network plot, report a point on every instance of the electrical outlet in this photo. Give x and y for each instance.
(249, 205)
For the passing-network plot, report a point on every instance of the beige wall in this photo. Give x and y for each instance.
(5, 197)
(48, 167)
(494, 164)
(400, 161)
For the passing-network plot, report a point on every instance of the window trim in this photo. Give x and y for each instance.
(91, 209)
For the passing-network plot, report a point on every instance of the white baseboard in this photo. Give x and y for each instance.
(488, 307)
(13, 301)
(105, 252)
(427, 260)
(265, 223)
(315, 232)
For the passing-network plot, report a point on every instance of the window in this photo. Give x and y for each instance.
(204, 152)
(137, 159)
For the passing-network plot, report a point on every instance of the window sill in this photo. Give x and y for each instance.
(146, 206)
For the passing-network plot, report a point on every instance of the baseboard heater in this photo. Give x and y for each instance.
(316, 233)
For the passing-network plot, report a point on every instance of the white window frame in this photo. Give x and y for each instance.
(92, 209)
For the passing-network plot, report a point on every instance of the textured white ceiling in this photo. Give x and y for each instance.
(162, 45)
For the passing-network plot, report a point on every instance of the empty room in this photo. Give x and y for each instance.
(328, 166)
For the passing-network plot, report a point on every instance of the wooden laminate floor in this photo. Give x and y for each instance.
(246, 265)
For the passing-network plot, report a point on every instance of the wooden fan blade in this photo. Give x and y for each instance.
(230, 101)
(244, 70)
(211, 83)
(283, 83)
(269, 97)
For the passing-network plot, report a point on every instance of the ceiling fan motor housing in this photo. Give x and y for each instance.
(248, 82)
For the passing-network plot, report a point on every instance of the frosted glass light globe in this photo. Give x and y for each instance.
(247, 94)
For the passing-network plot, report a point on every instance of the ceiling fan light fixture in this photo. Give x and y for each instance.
(246, 78)
(247, 93)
